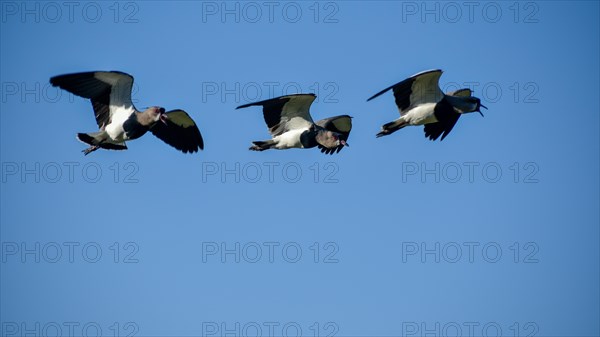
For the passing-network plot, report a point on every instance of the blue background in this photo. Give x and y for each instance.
(534, 64)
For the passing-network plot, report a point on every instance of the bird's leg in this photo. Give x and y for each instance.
(262, 145)
(391, 127)
(256, 148)
(90, 149)
(382, 133)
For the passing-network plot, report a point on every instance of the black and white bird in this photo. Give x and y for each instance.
(291, 126)
(118, 119)
(421, 102)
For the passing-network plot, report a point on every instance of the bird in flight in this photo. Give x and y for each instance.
(117, 118)
(420, 101)
(291, 126)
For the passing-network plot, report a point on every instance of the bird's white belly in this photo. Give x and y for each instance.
(288, 140)
(115, 129)
(422, 114)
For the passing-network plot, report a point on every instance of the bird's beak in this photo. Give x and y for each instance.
(164, 118)
(343, 142)
(481, 106)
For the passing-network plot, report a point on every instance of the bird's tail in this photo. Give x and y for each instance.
(391, 127)
(262, 145)
(99, 140)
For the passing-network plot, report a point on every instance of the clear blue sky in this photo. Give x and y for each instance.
(494, 229)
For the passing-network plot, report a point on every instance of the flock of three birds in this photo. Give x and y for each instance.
(419, 100)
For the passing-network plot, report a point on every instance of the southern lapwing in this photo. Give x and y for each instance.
(291, 126)
(421, 102)
(119, 121)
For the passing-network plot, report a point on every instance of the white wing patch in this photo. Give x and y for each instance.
(115, 128)
(422, 114)
(426, 88)
(298, 106)
(297, 123)
(120, 94)
(290, 139)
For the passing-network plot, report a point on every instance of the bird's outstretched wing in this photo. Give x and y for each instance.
(180, 131)
(341, 124)
(464, 92)
(109, 91)
(286, 112)
(417, 89)
(446, 116)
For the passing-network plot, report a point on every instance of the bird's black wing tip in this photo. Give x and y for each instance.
(261, 103)
(382, 92)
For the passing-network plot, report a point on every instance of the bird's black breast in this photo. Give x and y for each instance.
(444, 111)
(447, 117)
(308, 139)
(133, 128)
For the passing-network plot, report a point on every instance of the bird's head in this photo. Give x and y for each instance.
(157, 114)
(330, 139)
(478, 105)
(467, 104)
